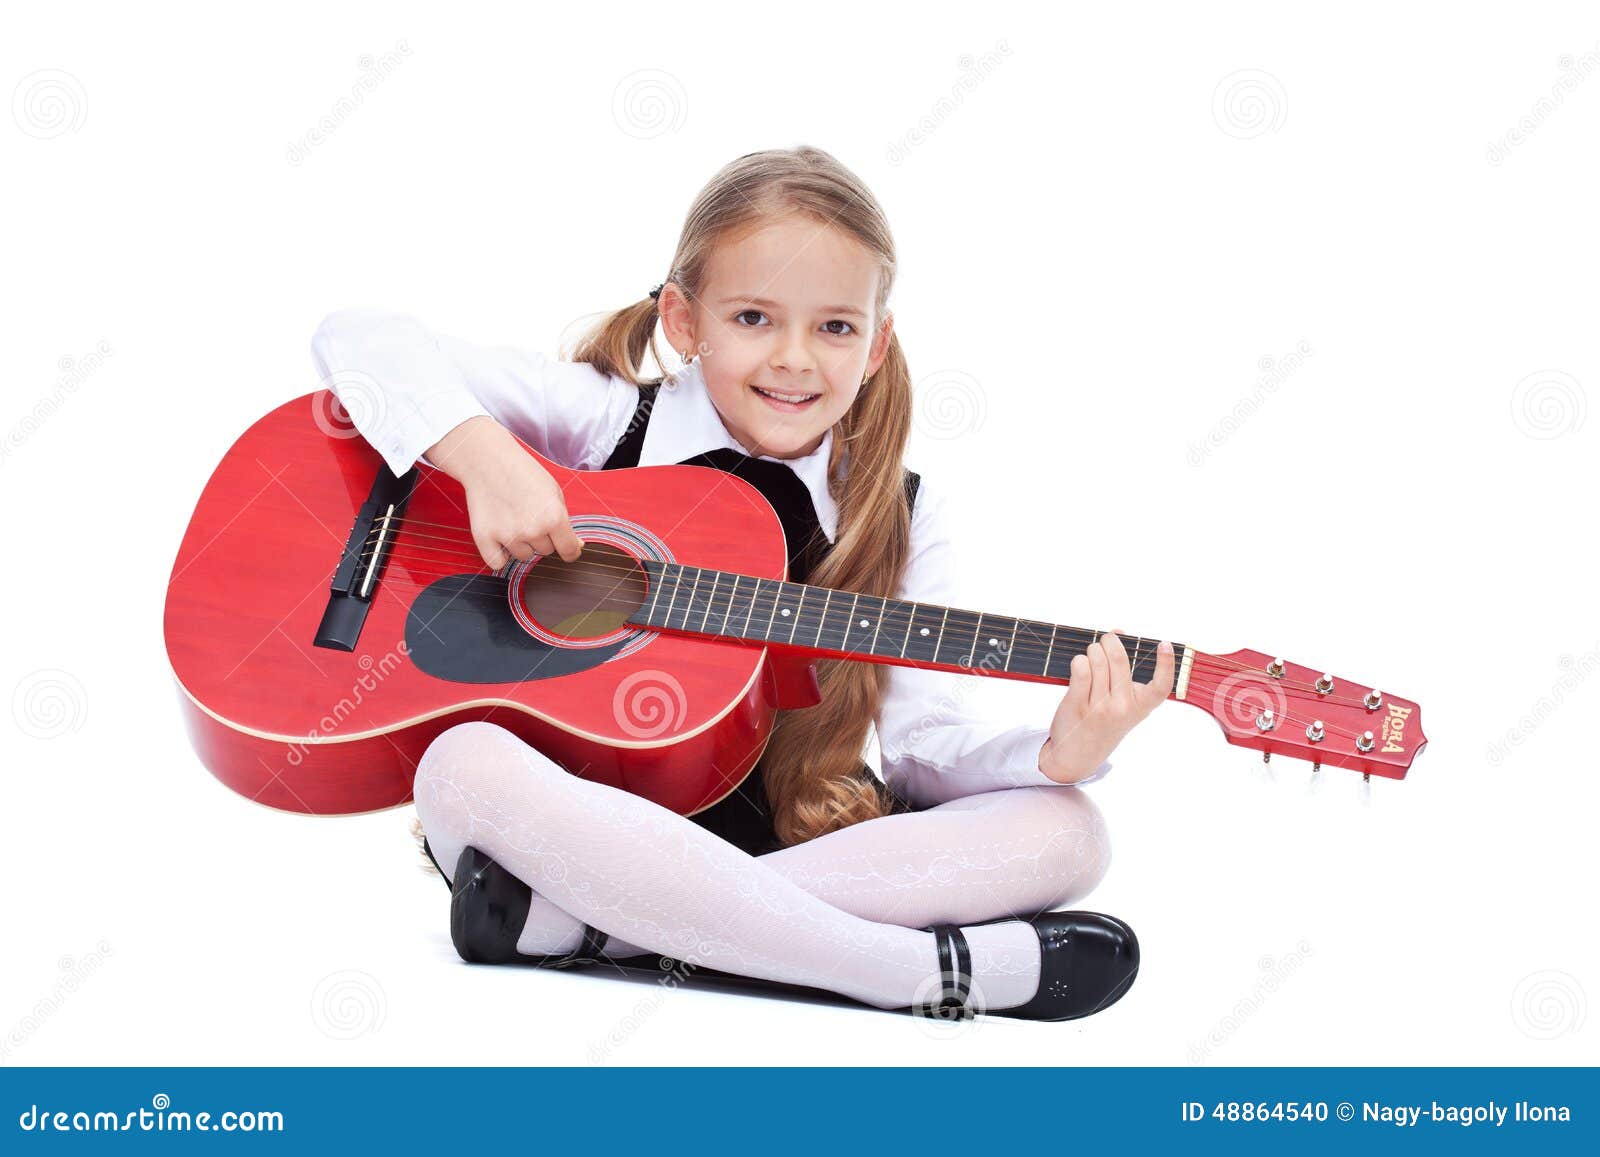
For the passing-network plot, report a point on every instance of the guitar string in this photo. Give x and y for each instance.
(1203, 665)
(581, 567)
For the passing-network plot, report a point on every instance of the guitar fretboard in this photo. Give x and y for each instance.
(712, 602)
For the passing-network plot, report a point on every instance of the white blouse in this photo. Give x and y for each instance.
(405, 387)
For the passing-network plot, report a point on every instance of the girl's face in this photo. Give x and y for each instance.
(785, 309)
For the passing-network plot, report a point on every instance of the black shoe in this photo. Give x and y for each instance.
(488, 908)
(1087, 961)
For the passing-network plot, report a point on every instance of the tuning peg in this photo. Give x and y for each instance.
(1275, 668)
(1373, 700)
(1365, 742)
(1324, 685)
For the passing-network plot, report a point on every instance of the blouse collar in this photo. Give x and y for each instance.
(684, 422)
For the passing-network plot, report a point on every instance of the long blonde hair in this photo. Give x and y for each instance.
(812, 760)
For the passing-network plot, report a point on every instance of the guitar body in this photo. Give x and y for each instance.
(676, 718)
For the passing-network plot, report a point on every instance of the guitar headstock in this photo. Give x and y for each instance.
(1282, 708)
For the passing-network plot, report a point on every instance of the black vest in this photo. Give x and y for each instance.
(744, 816)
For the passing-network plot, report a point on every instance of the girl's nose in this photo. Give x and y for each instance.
(791, 352)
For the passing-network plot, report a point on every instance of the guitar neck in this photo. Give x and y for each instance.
(849, 625)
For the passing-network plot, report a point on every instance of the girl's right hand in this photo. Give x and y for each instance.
(516, 508)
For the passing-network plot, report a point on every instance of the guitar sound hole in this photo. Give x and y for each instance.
(584, 599)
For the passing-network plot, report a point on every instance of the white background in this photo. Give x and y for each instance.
(1103, 240)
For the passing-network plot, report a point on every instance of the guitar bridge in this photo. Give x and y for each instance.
(361, 565)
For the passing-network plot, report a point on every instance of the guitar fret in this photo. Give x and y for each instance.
(655, 591)
(771, 613)
(688, 610)
(711, 599)
(1011, 647)
(798, 607)
(822, 619)
(728, 608)
(745, 630)
(849, 621)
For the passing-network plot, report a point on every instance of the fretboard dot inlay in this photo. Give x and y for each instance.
(924, 631)
(994, 642)
(784, 611)
(864, 623)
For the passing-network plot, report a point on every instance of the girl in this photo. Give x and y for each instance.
(931, 893)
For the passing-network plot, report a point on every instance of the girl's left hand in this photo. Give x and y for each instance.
(1102, 704)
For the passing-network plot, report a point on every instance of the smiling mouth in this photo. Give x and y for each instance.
(785, 400)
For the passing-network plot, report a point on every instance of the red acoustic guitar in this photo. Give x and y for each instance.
(326, 620)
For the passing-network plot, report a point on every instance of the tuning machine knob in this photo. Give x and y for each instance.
(1324, 685)
(1373, 700)
(1275, 668)
(1365, 742)
(1315, 732)
(1266, 721)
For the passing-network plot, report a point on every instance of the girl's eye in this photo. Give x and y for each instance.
(848, 328)
(749, 313)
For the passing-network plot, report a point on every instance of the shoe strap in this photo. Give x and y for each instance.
(588, 952)
(955, 974)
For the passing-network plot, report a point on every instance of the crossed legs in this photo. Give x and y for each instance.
(842, 912)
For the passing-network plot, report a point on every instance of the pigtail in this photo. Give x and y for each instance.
(618, 344)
